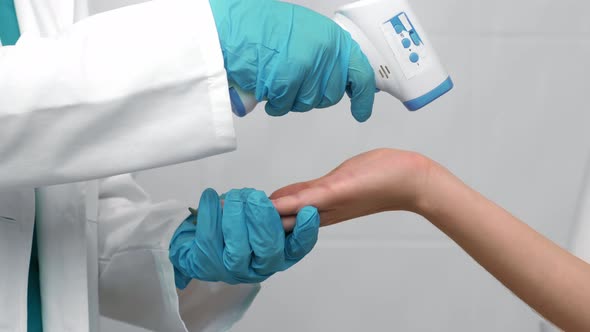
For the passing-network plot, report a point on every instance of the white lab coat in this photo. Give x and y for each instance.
(135, 88)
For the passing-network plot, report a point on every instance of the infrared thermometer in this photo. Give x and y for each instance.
(390, 35)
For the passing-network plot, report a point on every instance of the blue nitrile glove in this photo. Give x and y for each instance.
(243, 242)
(295, 58)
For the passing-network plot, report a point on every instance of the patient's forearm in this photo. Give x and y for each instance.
(551, 280)
(548, 278)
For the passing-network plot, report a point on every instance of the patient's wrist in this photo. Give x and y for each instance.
(434, 190)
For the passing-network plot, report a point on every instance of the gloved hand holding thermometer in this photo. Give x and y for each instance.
(292, 57)
(402, 58)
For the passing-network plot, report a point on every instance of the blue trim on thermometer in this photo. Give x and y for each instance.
(237, 106)
(418, 103)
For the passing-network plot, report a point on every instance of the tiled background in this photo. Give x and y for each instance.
(515, 127)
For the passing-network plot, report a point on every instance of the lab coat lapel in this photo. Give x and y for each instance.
(61, 210)
(17, 212)
(91, 196)
(62, 242)
(61, 214)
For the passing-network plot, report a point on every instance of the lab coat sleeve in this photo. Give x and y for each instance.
(134, 88)
(136, 278)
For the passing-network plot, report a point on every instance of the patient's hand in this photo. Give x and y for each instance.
(372, 182)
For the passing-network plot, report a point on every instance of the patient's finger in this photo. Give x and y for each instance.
(288, 223)
(291, 189)
(317, 195)
(288, 205)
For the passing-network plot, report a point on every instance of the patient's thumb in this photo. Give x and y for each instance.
(287, 205)
(290, 190)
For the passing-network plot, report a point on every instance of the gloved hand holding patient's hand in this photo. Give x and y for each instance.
(241, 242)
(372, 182)
(293, 57)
